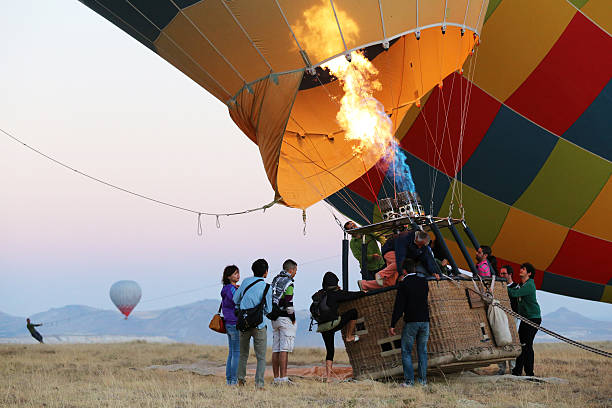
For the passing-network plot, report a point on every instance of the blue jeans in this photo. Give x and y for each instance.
(420, 332)
(231, 368)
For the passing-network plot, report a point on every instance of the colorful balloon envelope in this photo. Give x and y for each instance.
(513, 132)
(262, 59)
(526, 149)
(125, 295)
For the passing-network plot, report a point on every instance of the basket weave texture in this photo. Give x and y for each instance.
(460, 336)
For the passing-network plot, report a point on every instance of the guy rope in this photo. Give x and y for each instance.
(487, 297)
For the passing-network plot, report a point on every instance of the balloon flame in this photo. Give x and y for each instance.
(362, 116)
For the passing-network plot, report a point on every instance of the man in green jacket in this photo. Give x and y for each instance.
(375, 261)
(527, 307)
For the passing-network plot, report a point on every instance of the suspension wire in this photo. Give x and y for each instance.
(370, 185)
(356, 207)
(167, 204)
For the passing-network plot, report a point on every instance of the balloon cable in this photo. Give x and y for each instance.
(167, 204)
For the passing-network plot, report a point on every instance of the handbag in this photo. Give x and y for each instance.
(217, 324)
(251, 318)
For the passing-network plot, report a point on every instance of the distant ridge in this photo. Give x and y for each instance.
(189, 324)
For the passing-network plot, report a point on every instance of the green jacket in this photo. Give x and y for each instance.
(527, 303)
(372, 248)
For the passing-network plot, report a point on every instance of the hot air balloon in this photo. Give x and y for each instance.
(525, 154)
(263, 60)
(125, 294)
(511, 133)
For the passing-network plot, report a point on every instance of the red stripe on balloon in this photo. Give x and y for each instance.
(516, 268)
(583, 257)
(126, 310)
(568, 79)
(428, 132)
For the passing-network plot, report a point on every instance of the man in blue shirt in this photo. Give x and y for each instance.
(246, 299)
(414, 245)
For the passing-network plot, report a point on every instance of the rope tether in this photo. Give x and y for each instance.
(178, 207)
(488, 298)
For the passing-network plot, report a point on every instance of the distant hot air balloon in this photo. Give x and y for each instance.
(125, 295)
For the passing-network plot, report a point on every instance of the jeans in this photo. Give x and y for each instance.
(260, 340)
(231, 367)
(420, 332)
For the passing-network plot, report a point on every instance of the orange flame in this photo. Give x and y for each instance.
(319, 34)
(362, 117)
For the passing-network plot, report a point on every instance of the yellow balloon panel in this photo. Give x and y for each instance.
(515, 56)
(600, 11)
(516, 239)
(591, 223)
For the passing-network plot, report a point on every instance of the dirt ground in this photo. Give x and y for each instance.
(162, 375)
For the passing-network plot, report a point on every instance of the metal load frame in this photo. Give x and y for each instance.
(420, 222)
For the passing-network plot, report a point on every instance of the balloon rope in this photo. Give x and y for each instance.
(356, 206)
(108, 184)
(370, 185)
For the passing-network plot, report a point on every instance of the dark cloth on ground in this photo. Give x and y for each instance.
(328, 336)
(406, 248)
(411, 300)
(526, 359)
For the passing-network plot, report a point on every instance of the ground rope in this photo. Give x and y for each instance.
(488, 298)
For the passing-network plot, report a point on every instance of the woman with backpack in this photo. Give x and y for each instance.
(231, 276)
(325, 311)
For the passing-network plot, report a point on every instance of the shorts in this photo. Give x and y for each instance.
(283, 334)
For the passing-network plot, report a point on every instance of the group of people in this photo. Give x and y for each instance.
(276, 302)
(523, 301)
(381, 269)
(407, 247)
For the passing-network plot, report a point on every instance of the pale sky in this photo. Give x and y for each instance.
(79, 89)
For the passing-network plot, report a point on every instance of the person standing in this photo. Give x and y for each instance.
(231, 276)
(504, 271)
(249, 295)
(329, 321)
(284, 325)
(527, 307)
(374, 258)
(411, 302)
(33, 331)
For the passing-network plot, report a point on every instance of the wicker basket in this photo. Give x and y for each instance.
(459, 338)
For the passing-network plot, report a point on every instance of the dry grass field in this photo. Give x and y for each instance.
(116, 375)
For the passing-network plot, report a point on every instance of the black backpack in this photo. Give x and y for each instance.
(320, 310)
(251, 318)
